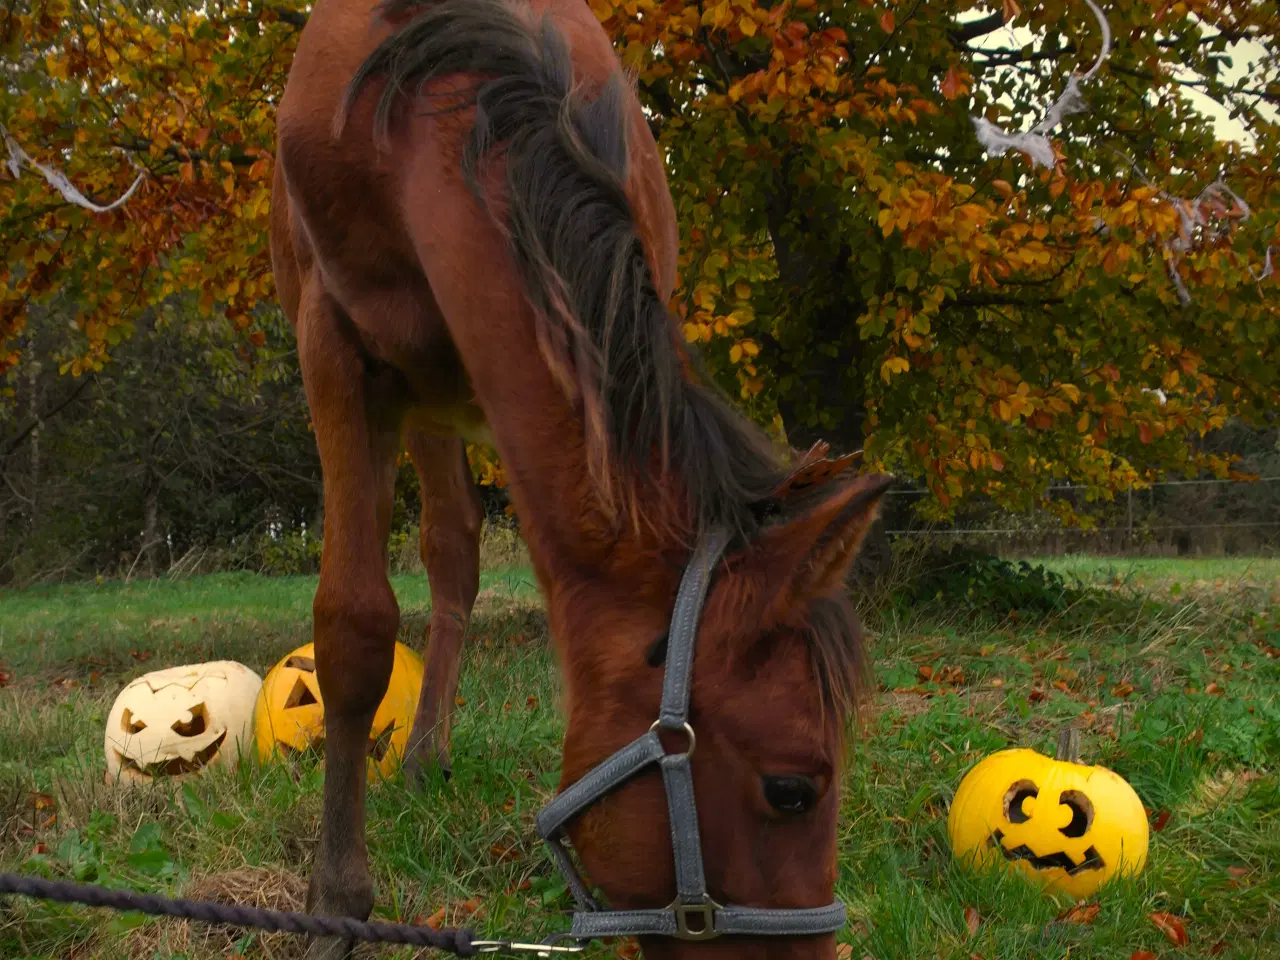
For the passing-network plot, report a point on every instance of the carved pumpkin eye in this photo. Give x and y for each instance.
(1013, 800)
(193, 727)
(790, 794)
(1081, 813)
(128, 724)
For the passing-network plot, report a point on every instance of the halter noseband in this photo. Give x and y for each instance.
(693, 915)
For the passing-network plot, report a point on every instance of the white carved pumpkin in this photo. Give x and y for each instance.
(178, 721)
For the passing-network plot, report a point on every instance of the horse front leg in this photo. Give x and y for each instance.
(449, 538)
(355, 414)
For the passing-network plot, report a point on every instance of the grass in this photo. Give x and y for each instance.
(1176, 690)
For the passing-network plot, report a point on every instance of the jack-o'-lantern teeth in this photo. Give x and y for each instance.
(1092, 860)
(175, 766)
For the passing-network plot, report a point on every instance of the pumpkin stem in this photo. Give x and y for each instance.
(1069, 745)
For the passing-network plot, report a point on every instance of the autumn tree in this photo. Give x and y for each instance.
(861, 262)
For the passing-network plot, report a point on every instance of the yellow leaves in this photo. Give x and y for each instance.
(747, 25)
(602, 9)
(717, 15)
(893, 365)
(1082, 425)
(886, 218)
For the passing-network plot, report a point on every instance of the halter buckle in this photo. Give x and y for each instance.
(702, 913)
(544, 950)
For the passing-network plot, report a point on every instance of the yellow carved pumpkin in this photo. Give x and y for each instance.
(289, 716)
(1066, 825)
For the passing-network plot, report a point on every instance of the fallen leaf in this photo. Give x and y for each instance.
(925, 672)
(1214, 689)
(5, 677)
(531, 702)
(460, 701)
(1036, 695)
(1142, 955)
(972, 920)
(436, 920)
(1238, 872)
(1161, 821)
(629, 949)
(844, 952)
(1060, 685)
(1122, 689)
(953, 675)
(1081, 913)
(1172, 927)
(1217, 948)
(469, 908)
(501, 851)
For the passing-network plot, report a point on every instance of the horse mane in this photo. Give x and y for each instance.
(606, 335)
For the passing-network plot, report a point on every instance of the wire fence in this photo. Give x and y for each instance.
(1166, 517)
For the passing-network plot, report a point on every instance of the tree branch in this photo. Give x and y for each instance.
(962, 34)
(17, 439)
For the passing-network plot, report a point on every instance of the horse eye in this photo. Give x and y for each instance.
(790, 794)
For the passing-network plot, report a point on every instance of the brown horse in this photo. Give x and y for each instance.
(473, 236)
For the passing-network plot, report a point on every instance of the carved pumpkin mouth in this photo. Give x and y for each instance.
(177, 765)
(1092, 859)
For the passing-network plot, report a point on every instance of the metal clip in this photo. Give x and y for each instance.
(543, 950)
(704, 914)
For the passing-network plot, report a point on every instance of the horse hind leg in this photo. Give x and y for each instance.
(449, 539)
(355, 412)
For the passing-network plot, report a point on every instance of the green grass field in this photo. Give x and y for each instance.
(1171, 668)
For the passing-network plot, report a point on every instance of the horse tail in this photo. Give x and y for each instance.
(602, 327)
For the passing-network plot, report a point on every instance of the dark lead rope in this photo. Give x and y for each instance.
(456, 941)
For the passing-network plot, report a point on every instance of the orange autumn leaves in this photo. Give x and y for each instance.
(1002, 327)
(186, 98)
(1089, 372)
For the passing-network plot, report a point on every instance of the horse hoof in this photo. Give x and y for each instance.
(420, 772)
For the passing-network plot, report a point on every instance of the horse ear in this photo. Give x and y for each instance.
(806, 556)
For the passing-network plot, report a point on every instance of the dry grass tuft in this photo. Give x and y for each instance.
(269, 888)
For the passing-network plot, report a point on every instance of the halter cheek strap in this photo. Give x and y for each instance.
(693, 915)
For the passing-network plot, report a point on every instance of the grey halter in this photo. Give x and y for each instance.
(693, 915)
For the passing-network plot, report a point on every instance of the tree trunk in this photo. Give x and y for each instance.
(150, 538)
(33, 400)
(818, 271)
